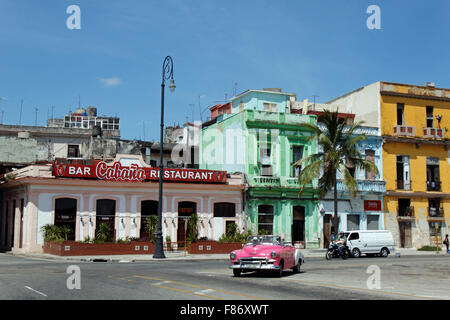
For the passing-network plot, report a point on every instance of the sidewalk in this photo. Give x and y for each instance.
(181, 256)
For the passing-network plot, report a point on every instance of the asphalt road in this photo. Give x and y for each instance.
(415, 277)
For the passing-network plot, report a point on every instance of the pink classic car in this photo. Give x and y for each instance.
(266, 253)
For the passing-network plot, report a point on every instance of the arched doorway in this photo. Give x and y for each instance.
(148, 208)
(298, 225)
(105, 214)
(185, 210)
(65, 215)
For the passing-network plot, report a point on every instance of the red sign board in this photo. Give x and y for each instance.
(116, 172)
(372, 205)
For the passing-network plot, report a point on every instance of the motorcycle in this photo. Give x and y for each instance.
(333, 252)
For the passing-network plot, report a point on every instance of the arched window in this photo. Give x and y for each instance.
(65, 215)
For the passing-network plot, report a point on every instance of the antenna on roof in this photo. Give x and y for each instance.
(20, 114)
(314, 99)
(35, 116)
(234, 87)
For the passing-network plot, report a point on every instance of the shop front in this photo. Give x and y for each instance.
(121, 195)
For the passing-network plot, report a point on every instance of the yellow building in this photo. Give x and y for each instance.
(415, 124)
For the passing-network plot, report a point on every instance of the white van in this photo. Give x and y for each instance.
(370, 242)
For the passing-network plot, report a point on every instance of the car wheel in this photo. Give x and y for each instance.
(297, 267)
(384, 252)
(356, 253)
(280, 271)
(236, 272)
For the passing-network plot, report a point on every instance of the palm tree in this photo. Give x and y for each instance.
(339, 143)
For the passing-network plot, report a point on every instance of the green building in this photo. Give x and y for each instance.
(260, 135)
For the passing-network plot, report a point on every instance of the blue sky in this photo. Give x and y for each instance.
(114, 62)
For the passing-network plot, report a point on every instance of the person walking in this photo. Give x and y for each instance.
(446, 242)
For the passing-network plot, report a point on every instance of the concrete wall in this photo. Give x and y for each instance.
(15, 150)
(364, 102)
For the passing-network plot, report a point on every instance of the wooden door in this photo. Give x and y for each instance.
(405, 235)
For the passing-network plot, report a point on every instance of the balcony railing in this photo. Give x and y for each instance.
(401, 130)
(433, 185)
(262, 181)
(405, 213)
(435, 212)
(435, 133)
(365, 186)
(403, 185)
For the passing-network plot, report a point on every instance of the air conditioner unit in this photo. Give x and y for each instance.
(266, 170)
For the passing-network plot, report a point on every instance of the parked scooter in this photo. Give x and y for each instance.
(333, 252)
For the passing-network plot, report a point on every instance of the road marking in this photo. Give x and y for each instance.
(42, 294)
(202, 292)
(200, 287)
(160, 283)
(362, 289)
(186, 291)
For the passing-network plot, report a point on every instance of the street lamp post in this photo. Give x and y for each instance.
(167, 73)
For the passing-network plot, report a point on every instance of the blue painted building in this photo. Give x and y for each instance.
(365, 210)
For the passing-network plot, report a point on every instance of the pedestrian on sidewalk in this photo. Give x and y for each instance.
(446, 242)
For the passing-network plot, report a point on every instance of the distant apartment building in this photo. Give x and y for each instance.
(414, 122)
(85, 119)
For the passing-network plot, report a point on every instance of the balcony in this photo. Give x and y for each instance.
(403, 185)
(433, 133)
(436, 214)
(403, 131)
(262, 181)
(365, 186)
(405, 213)
(433, 185)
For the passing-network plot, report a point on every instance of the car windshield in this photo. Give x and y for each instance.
(265, 240)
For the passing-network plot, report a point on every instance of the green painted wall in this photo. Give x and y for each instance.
(244, 133)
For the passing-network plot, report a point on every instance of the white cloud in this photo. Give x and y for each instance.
(110, 82)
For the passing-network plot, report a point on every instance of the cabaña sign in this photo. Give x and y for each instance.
(134, 173)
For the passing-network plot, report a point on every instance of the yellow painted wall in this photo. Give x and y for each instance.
(418, 166)
(415, 114)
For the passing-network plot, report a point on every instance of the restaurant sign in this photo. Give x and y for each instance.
(116, 172)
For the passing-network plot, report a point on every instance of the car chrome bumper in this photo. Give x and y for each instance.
(255, 265)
